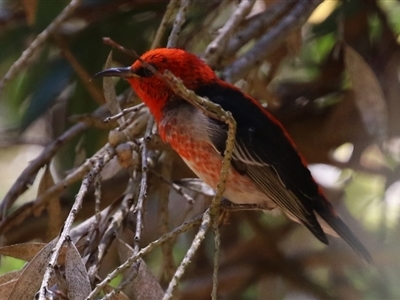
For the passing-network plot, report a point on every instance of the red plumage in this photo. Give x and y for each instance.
(266, 170)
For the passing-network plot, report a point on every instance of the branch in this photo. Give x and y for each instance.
(271, 40)
(164, 192)
(23, 60)
(205, 225)
(256, 26)
(164, 22)
(178, 23)
(215, 111)
(29, 174)
(26, 210)
(120, 269)
(217, 46)
(139, 209)
(64, 236)
(83, 75)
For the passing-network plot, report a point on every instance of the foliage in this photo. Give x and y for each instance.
(332, 79)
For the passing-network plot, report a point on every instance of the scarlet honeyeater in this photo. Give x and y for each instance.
(266, 169)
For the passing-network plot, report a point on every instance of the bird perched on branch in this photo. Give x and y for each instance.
(266, 167)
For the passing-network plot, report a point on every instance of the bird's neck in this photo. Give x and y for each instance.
(155, 100)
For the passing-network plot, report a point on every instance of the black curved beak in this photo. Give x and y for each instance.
(123, 72)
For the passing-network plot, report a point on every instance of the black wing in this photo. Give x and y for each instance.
(264, 152)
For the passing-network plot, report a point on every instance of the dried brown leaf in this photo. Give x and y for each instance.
(54, 207)
(25, 251)
(76, 274)
(10, 276)
(46, 181)
(30, 280)
(109, 92)
(369, 96)
(144, 286)
(6, 288)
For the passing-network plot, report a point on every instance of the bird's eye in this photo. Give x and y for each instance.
(144, 72)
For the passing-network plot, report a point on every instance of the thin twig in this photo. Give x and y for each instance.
(271, 40)
(215, 204)
(124, 112)
(217, 245)
(257, 25)
(110, 94)
(176, 187)
(214, 110)
(164, 22)
(20, 214)
(178, 23)
(64, 236)
(230, 206)
(116, 221)
(139, 208)
(95, 225)
(110, 42)
(131, 276)
(164, 194)
(92, 121)
(119, 270)
(80, 71)
(26, 178)
(97, 195)
(23, 60)
(217, 46)
(133, 128)
(205, 225)
(29, 174)
(207, 107)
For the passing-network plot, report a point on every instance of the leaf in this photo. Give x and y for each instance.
(109, 92)
(180, 208)
(30, 280)
(144, 286)
(28, 251)
(6, 288)
(76, 274)
(53, 83)
(46, 181)
(196, 185)
(369, 96)
(53, 207)
(47, 11)
(10, 276)
(25, 251)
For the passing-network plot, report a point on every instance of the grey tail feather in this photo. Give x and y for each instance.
(345, 233)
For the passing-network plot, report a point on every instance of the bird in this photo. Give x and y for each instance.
(267, 169)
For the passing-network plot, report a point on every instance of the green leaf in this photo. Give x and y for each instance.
(54, 81)
(46, 12)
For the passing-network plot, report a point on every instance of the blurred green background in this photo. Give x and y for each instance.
(309, 90)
